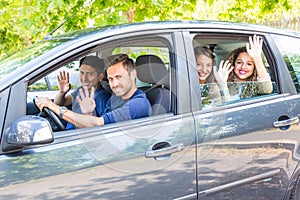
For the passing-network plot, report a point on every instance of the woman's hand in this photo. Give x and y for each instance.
(254, 47)
(223, 72)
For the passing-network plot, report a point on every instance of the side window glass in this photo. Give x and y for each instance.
(290, 50)
(219, 85)
(48, 85)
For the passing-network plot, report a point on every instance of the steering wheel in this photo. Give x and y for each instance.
(56, 124)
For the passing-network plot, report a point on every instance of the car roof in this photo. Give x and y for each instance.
(178, 24)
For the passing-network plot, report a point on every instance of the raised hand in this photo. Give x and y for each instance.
(223, 72)
(63, 82)
(86, 101)
(254, 47)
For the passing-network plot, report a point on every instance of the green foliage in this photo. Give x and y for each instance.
(255, 11)
(23, 22)
(37, 87)
(55, 87)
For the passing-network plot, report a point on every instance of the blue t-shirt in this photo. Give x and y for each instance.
(101, 97)
(118, 109)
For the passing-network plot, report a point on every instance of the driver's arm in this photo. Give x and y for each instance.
(79, 120)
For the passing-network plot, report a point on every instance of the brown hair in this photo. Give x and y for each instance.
(232, 58)
(203, 50)
(250, 89)
(93, 61)
(128, 63)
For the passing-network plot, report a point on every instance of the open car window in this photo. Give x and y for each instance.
(151, 56)
(220, 48)
(47, 86)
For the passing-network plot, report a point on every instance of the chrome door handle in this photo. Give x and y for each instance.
(287, 122)
(164, 151)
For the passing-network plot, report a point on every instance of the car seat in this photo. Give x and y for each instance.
(151, 70)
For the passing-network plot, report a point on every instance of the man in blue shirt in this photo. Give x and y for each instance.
(126, 103)
(91, 73)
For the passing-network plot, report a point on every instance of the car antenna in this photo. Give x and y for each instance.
(48, 36)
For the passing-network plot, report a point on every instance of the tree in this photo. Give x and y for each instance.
(23, 22)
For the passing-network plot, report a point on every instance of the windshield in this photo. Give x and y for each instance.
(18, 59)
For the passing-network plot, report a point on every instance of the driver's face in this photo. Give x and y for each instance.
(120, 80)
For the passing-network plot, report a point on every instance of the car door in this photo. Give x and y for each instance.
(247, 149)
(147, 158)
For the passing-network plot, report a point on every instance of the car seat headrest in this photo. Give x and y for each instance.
(151, 69)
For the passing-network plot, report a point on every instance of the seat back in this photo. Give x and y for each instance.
(151, 70)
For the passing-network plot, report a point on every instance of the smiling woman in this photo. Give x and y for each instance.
(241, 71)
(247, 66)
(205, 62)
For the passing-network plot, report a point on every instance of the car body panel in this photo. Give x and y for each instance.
(117, 151)
(245, 148)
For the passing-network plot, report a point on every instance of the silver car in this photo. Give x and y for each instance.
(188, 149)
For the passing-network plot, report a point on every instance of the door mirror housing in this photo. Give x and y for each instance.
(27, 130)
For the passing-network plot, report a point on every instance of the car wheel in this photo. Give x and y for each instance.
(295, 194)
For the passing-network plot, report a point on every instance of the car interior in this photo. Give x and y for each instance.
(152, 65)
(151, 70)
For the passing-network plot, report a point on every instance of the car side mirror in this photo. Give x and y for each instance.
(28, 130)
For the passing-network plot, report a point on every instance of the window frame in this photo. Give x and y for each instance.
(111, 42)
(275, 38)
(240, 36)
